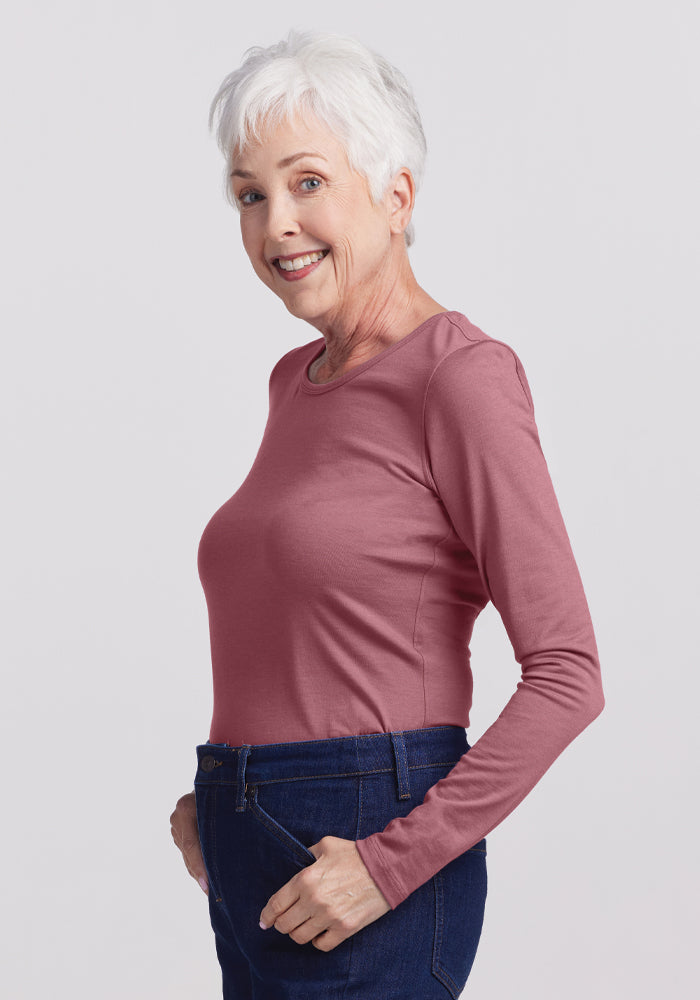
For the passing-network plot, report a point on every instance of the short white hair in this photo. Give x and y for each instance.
(365, 101)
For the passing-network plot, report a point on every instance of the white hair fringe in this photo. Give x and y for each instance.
(365, 101)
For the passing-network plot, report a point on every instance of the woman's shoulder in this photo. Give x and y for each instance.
(466, 359)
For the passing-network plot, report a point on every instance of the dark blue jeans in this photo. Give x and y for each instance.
(260, 807)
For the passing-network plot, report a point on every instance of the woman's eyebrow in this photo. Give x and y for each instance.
(286, 162)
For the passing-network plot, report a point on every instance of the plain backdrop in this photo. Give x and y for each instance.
(559, 212)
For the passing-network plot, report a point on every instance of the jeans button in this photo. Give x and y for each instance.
(207, 763)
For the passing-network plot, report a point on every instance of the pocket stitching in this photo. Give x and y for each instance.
(438, 968)
(287, 839)
(438, 971)
(209, 802)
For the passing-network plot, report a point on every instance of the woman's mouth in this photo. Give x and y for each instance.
(299, 267)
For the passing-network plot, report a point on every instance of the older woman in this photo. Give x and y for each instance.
(339, 814)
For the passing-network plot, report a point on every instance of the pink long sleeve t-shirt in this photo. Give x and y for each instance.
(383, 511)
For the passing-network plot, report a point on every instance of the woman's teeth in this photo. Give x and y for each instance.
(297, 263)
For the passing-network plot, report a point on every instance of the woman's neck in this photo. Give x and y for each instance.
(351, 343)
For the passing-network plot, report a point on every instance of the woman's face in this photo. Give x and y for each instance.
(298, 196)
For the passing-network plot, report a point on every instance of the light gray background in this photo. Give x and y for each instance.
(559, 212)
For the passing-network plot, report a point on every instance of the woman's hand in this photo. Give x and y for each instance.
(328, 901)
(183, 826)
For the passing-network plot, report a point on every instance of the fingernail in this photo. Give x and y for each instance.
(203, 882)
(264, 926)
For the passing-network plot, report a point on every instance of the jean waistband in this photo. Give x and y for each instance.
(368, 753)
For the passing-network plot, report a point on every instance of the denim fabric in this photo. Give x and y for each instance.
(260, 807)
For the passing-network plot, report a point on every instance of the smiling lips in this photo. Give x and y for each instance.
(298, 267)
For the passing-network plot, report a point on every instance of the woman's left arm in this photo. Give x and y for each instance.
(484, 460)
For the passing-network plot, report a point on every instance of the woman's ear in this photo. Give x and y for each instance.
(401, 194)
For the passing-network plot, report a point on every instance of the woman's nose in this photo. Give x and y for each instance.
(281, 219)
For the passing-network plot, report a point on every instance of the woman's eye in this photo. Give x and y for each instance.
(247, 197)
(315, 181)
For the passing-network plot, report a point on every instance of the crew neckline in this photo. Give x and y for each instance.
(317, 387)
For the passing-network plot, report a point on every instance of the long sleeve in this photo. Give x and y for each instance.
(484, 460)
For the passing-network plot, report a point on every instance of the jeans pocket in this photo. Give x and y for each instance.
(460, 898)
(279, 798)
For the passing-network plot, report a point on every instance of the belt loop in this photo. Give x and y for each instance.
(240, 777)
(402, 776)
